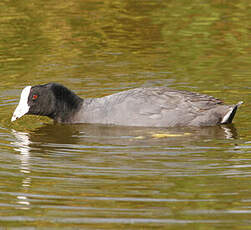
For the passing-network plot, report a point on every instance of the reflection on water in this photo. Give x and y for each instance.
(77, 138)
(119, 135)
(22, 145)
(65, 139)
(97, 174)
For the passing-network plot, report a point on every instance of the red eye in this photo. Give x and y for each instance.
(34, 97)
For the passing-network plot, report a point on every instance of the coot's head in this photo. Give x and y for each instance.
(52, 100)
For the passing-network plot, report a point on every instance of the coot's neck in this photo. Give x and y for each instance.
(67, 104)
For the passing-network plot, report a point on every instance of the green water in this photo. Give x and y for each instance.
(99, 177)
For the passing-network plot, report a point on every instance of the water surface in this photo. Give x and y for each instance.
(110, 177)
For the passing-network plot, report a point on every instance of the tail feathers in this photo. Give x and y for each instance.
(228, 118)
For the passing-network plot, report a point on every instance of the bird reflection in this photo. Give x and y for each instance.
(22, 145)
(116, 135)
(51, 136)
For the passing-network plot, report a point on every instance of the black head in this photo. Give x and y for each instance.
(52, 100)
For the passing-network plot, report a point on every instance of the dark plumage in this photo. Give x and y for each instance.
(156, 107)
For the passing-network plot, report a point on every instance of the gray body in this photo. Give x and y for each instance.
(155, 107)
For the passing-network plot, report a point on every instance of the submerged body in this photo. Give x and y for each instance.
(152, 107)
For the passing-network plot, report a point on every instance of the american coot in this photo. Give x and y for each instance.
(155, 106)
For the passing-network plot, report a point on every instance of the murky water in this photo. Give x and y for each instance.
(107, 177)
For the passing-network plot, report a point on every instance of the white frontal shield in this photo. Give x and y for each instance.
(23, 106)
